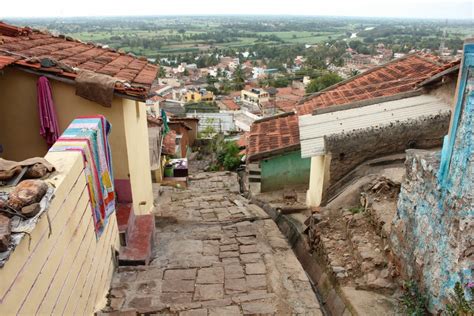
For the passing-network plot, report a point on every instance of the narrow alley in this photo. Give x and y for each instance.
(215, 254)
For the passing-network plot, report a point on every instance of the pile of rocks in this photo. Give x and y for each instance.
(24, 202)
(349, 242)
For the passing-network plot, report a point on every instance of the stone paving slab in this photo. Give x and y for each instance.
(215, 254)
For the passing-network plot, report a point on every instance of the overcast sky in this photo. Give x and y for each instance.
(443, 9)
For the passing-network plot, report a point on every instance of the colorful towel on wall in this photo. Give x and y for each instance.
(89, 135)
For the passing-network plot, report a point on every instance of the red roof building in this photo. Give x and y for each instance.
(399, 75)
(230, 104)
(280, 133)
(63, 56)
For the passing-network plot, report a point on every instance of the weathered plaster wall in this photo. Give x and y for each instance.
(154, 143)
(19, 118)
(284, 171)
(136, 138)
(318, 181)
(433, 232)
(350, 149)
(19, 130)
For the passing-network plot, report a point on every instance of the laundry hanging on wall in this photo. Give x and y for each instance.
(89, 135)
(49, 127)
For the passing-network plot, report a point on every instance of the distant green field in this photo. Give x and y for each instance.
(151, 36)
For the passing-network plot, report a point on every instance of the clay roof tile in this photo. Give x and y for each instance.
(23, 43)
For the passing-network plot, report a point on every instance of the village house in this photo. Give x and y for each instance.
(278, 137)
(254, 97)
(66, 265)
(338, 141)
(199, 95)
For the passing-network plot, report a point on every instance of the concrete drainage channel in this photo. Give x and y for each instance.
(331, 301)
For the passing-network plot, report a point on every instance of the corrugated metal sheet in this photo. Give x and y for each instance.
(5, 61)
(313, 128)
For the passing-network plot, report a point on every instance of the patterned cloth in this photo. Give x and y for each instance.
(89, 135)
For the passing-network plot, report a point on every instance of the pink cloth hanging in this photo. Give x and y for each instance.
(47, 113)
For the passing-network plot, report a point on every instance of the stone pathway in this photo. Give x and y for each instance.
(216, 254)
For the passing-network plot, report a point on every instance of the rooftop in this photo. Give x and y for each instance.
(281, 133)
(276, 133)
(63, 56)
(230, 104)
(314, 128)
(399, 75)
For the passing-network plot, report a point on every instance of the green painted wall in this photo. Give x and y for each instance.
(283, 171)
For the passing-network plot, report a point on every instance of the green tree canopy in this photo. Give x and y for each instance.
(322, 82)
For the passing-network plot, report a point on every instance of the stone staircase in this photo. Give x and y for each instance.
(136, 236)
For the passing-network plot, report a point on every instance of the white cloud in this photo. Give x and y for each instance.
(449, 9)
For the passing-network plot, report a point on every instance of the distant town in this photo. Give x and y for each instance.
(236, 165)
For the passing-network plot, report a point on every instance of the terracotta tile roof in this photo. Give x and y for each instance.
(5, 61)
(286, 105)
(397, 76)
(231, 105)
(280, 133)
(235, 94)
(169, 143)
(290, 91)
(29, 47)
(277, 133)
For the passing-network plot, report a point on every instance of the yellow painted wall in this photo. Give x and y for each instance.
(318, 180)
(19, 129)
(65, 270)
(136, 137)
(194, 96)
(19, 121)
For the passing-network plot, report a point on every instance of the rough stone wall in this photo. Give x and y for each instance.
(432, 234)
(350, 149)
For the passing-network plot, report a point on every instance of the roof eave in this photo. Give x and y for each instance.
(273, 153)
(68, 80)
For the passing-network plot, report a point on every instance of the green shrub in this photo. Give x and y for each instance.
(229, 156)
(459, 305)
(413, 302)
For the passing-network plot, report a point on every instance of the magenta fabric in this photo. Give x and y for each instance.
(47, 113)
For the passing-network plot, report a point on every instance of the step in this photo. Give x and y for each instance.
(125, 221)
(140, 242)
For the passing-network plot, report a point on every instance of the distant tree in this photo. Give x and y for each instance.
(239, 78)
(280, 82)
(322, 82)
(161, 73)
(181, 31)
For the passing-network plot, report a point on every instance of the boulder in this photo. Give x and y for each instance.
(27, 193)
